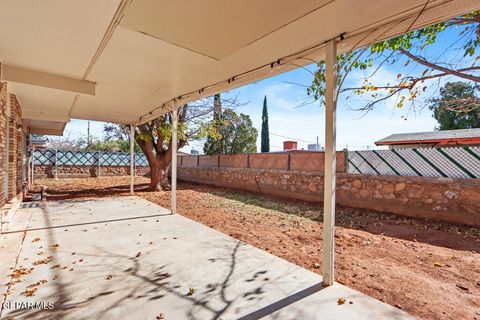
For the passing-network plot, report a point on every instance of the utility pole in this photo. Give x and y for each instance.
(88, 136)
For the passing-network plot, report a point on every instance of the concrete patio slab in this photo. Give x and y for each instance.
(126, 258)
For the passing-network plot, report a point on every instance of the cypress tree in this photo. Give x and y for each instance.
(265, 138)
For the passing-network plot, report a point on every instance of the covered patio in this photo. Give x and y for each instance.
(128, 62)
(140, 261)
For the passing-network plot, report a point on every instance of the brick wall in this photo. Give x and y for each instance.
(3, 137)
(10, 139)
(72, 171)
(14, 149)
(451, 200)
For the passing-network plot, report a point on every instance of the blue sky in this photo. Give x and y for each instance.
(355, 129)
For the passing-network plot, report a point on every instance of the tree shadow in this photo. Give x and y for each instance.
(214, 301)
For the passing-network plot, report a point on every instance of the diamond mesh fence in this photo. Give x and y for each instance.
(86, 158)
(449, 162)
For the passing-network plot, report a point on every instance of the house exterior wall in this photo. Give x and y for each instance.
(3, 138)
(11, 151)
(14, 149)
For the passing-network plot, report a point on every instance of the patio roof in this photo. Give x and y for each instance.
(124, 61)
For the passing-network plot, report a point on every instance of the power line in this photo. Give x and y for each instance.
(296, 139)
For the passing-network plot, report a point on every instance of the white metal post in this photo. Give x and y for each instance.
(33, 164)
(174, 158)
(330, 164)
(132, 158)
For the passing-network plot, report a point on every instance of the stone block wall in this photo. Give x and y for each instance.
(71, 171)
(451, 200)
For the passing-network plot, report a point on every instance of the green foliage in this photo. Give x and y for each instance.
(458, 106)
(426, 36)
(231, 133)
(265, 143)
(117, 145)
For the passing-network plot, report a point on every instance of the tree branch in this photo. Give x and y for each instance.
(439, 68)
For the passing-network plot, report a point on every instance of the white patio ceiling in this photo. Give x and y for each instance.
(141, 54)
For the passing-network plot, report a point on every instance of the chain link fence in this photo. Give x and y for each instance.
(51, 157)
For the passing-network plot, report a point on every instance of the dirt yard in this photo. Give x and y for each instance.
(429, 269)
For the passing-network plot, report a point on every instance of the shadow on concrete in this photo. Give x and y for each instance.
(212, 302)
(49, 226)
(280, 304)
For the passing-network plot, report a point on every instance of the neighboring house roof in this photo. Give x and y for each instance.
(446, 137)
(39, 143)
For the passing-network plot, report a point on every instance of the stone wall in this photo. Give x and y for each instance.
(48, 171)
(451, 200)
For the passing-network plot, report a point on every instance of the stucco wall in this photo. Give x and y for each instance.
(295, 160)
(452, 200)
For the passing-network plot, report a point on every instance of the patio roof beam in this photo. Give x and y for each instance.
(330, 163)
(45, 116)
(46, 80)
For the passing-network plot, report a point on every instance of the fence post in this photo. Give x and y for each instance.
(345, 159)
(56, 167)
(248, 160)
(134, 164)
(218, 161)
(289, 160)
(98, 163)
(198, 161)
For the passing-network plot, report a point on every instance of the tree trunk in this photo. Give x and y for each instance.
(159, 169)
(159, 177)
(159, 155)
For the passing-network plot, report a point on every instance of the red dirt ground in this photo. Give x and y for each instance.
(429, 269)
